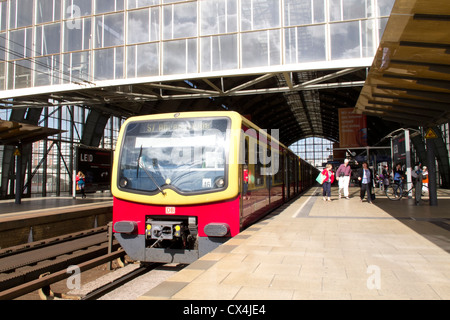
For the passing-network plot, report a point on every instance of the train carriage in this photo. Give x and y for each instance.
(184, 183)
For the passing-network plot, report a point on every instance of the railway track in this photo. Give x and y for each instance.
(22, 267)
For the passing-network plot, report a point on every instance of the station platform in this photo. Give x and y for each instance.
(312, 249)
(9, 208)
(40, 218)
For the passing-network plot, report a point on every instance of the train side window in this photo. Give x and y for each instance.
(278, 176)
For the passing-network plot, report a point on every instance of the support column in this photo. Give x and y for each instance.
(18, 154)
(408, 163)
(431, 159)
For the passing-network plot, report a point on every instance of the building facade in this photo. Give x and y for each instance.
(51, 46)
(57, 43)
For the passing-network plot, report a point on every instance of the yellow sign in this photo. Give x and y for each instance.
(430, 134)
(17, 152)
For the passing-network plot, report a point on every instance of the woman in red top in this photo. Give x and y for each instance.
(329, 179)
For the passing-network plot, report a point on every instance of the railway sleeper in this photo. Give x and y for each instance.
(27, 274)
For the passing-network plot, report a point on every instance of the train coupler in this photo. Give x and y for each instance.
(163, 230)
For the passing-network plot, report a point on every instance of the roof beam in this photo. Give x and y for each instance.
(212, 85)
(250, 83)
(435, 67)
(433, 95)
(334, 75)
(393, 107)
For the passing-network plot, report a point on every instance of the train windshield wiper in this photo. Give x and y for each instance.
(138, 161)
(142, 165)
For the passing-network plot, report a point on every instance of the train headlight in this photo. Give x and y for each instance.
(220, 182)
(177, 231)
(148, 230)
(123, 182)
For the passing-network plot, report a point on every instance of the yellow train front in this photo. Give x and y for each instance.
(185, 183)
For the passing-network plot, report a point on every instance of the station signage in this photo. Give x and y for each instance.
(352, 129)
(95, 163)
(399, 149)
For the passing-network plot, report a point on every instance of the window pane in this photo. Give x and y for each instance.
(311, 43)
(369, 34)
(76, 66)
(180, 56)
(297, 12)
(2, 78)
(143, 60)
(20, 44)
(109, 30)
(180, 21)
(260, 48)
(335, 10)
(354, 9)
(104, 62)
(48, 10)
(319, 11)
(21, 77)
(77, 36)
(138, 26)
(260, 14)
(345, 40)
(48, 39)
(109, 64)
(219, 53)
(132, 4)
(103, 6)
(23, 9)
(47, 71)
(218, 16)
(143, 26)
(77, 8)
(274, 47)
(3, 15)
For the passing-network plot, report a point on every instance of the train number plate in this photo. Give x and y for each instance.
(170, 210)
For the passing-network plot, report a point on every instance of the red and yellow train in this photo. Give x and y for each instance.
(184, 183)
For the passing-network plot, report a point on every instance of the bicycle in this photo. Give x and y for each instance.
(395, 191)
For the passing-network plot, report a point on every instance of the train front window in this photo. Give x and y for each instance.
(186, 155)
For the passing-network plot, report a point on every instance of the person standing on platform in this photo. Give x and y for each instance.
(418, 183)
(329, 179)
(365, 178)
(425, 179)
(399, 175)
(343, 175)
(80, 180)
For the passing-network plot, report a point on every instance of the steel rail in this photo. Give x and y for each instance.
(57, 276)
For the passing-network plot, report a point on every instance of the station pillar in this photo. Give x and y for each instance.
(18, 193)
(431, 159)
